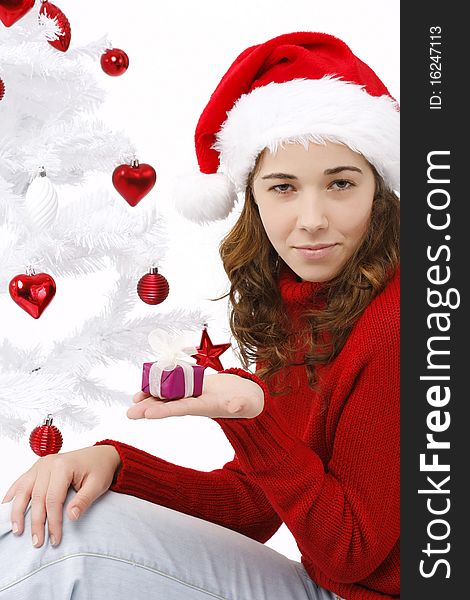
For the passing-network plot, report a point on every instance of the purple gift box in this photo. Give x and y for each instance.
(172, 383)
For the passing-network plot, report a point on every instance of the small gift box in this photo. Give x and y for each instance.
(173, 375)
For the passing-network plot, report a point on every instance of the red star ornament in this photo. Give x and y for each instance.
(208, 353)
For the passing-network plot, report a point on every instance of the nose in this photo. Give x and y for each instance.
(312, 213)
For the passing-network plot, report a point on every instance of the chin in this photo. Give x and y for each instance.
(319, 270)
(314, 274)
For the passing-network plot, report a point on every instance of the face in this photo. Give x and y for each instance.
(315, 205)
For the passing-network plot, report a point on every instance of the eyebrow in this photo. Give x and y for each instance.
(332, 171)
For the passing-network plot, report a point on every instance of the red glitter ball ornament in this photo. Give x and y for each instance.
(153, 288)
(2, 89)
(114, 62)
(46, 438)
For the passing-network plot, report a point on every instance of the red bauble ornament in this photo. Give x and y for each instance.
(208, 353)
(52, 12)
(12, 10)
(33, 292)
(46, 439)
(153, 288)
(2, 89)
(114, 62)
(134, 181)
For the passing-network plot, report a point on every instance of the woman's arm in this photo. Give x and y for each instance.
(224, 496)
(345, 517)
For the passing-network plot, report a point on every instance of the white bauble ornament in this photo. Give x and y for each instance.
(41, 201)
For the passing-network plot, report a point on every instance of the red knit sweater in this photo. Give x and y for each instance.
(331, 476)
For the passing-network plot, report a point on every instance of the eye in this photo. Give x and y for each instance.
(281, 188)
(342, 184)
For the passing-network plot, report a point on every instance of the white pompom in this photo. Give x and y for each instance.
(202, 197)
(41, 202)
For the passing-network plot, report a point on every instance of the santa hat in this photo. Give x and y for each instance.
(297, 87)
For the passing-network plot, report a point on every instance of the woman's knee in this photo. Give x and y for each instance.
(98, 522)
(100, 532)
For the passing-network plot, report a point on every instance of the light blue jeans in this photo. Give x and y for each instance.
(125, 547)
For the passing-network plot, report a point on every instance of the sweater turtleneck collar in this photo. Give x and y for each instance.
(294, 292)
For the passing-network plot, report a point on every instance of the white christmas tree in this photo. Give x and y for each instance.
(64, 225)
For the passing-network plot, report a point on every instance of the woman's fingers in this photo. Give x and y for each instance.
(91, 489)
(10, 493)
(153, 408)
(224, 396)
(38, 507)
(162, 409)
(140, 396)
(22, 496)
(137, 411)
(55, 498)
(199, 406)
(46, 484)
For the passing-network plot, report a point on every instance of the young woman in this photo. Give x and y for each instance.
(310, 134)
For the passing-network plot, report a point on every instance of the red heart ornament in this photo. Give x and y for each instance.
(12, 10)
(32, 292)
(134, 181)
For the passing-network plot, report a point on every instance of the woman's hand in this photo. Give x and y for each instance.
(89, 470)
(224, 395)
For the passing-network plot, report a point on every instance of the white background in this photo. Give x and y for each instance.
(178, 52)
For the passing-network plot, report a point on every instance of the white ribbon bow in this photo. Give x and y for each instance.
(168, 349)
(170, 354)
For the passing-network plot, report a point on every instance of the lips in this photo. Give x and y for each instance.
(316, 252)
(314, 247)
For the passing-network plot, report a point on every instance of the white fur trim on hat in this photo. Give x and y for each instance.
(310, 110)
(202, 197)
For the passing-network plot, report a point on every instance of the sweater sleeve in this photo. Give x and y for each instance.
(224, 496)
(345, 517)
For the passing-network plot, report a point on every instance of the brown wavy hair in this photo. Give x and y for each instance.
(258, 320)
